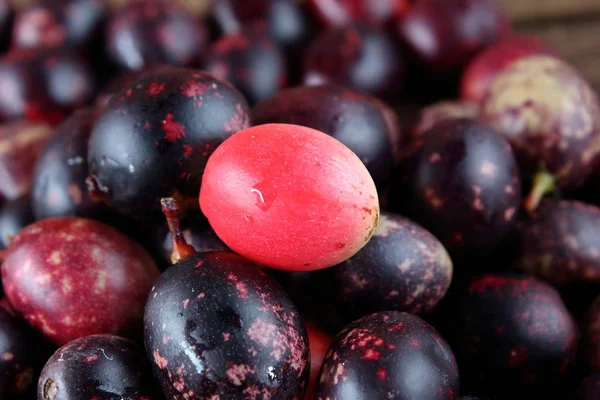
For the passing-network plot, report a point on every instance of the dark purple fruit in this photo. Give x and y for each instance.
(514, 328)
(59, 182)
(403, 268)
(216, 325)
(166, 126)
(345, 12)
(560, 243)
(463, 184)
(589, 388)
(14, 216)
(249, 60)
(389, 355)
(126, 79)
(591, 332)
(144, 33)
(355, 119)
(43, 85)
(442, 111)
(6, 23)
(99, 367)
(361, 57)
(58, 23)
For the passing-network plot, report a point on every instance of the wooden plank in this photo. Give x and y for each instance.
(526, 10)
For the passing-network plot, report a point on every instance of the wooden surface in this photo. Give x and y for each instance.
(526, 10)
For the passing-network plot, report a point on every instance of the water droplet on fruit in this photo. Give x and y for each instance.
(271, 373)
(265, 195)
(75, 160)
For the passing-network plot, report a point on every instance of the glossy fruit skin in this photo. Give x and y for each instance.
(200, 239)
(514, 328)
(375, 357)
(250, 61)
(551, 116)
(155, 32)
(481, 71)
(463, 184)
(457, 30)
(58, 23)
(43, 85)
(216, 325)
(73, 277)
(59, 188)
(14, 216)
(591, 327)
(559, 242)
(289, 197)
(167, 126)
(319, 342)
(402, 268)
(101, 367)
(442, 111)
(21, 144)
(355, 119)
(346, 12)
(360, 57)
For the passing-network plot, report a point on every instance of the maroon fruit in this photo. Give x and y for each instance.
(155, 32)
(442, 111)
(14, 216)
(59, 187)
(58, 23)
(515, 328)
(99, 367)
(125, 80)
(463, 184)
(560, 243)
(551, 116)
(355, 119)
(591, 333)
(166, 127)
(346, 12)
(43, 85)
(249, 60)
(361, 57)
(389, 355)
(403, 268)
(484, 68)
(319, 342)
(72, 277)
(21, 144)
(444, 35)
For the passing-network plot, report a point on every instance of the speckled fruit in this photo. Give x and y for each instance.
(319, 342)
(444, 35)
(442, 111)
(217, 327)
(14, 216)
(249, 60)
(166, 127)
(200, 239)
(155, 32)
(59, 187)
(403, 268)
(515, 328)
(57, 23)
(346, 12)
(72, 277)
(551, 116)
(21, 144)
(43, 85)
(463, 184)
(289, 197)
(591, 327)
(124, 80)
(391, 355)
(561, 242)
(589, 388)
(483, 69)
(355, 119)
(361, 57)
(99, 367)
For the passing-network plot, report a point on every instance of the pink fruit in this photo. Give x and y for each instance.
(289, 197)
(319, 342)
(73, 277)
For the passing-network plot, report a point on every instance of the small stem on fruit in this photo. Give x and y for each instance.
(543, 183)
(181, 249)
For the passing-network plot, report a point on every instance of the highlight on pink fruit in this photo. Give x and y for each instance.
(289, 197)
(480, 73)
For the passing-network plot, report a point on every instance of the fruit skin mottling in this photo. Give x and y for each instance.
(591, 328)
(216, 326)
(289, 197)
(389, 355)
(100, 367)
(560, 243)
(73, 277)
(442, 111)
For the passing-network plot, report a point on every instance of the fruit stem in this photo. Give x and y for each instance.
(181, 249)
(543, 183)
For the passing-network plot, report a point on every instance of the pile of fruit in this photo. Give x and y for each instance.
(238, 199)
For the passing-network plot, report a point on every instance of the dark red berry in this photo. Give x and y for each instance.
(389, 355)
(345, 12)
(355, 119)
(126, 79)
(442, 111)
(14, 216)
(72, 277)
(591, 332)
(99, 367)
(319, 342)
(166, 125)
